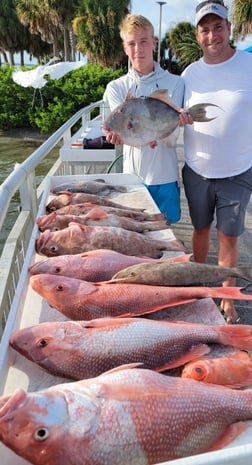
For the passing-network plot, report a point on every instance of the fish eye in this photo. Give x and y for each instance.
(60, 288)
(42, 343)
(57, 270)
(55, 228)
(53, 248)
(41, 434)
(200, 373)
(198, 370)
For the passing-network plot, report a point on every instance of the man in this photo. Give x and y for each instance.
(156, 165)
(217, 174)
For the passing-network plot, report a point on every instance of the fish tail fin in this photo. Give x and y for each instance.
(235, 293)
(239, 336)
(198, 112)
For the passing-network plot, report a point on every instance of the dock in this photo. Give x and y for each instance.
(183, 231)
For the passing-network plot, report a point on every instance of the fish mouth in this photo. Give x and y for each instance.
(8, 404)
(35, 268)
(41, 241)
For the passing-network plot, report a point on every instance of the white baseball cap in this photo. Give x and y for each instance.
(208, 7)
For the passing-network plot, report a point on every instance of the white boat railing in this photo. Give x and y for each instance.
(23, 181)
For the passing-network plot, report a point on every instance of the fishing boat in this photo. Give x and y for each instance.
(20, 306)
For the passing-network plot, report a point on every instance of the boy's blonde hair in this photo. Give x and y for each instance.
(133, 24)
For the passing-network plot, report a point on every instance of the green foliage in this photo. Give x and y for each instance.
(97, 29)
(184, 44)
(61, 98)
(13, 100)
(241, 19)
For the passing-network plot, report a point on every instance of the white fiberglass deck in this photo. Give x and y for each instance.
(29, 308)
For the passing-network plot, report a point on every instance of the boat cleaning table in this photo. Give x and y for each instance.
(30, 309)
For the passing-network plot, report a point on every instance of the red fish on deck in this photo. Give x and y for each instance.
(233, 370)
(98, 217)
(78, 238)
(68, 198)
(84, 300)
(81, 349)
(125, 416)
(83, 208)
(96, 265)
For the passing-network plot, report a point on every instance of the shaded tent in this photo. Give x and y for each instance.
(248, 49)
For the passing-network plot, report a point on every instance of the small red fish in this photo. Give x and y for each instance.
(83, 208)
(125, 416)
(68, 198)
(84, 300)
(78, 238)
(98, 217)
(96, 265)
(81, 349)
(233, 370)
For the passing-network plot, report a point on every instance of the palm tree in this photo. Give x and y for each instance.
(241, 19)
(66, 12)
(41, 19)
(183, 43)
(97, 30)
(13, 35)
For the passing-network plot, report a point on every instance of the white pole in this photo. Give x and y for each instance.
(160, 26)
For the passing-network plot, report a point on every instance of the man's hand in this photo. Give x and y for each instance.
(112, 138)
(185, 118)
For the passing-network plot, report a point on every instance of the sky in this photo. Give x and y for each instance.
(173, 12)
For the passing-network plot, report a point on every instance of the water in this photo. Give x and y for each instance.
(15, 147)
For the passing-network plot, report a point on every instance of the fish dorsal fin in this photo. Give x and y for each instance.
(162, 94)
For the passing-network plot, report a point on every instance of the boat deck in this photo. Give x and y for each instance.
(31, 309)
(183, 231)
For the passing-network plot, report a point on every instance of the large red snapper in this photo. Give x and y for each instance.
(125, 416)
(84, 300)
(83, 349)
(139, 121)
(68, 198)
(98, 217)
(96, 265)
(78, 238)
(164, 273)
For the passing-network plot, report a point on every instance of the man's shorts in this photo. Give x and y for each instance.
(167, 198)
(226, 197)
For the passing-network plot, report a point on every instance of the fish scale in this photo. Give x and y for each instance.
(84, 300)
(78, 238)
(127, 415)
(83, 349)
(95, 265)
